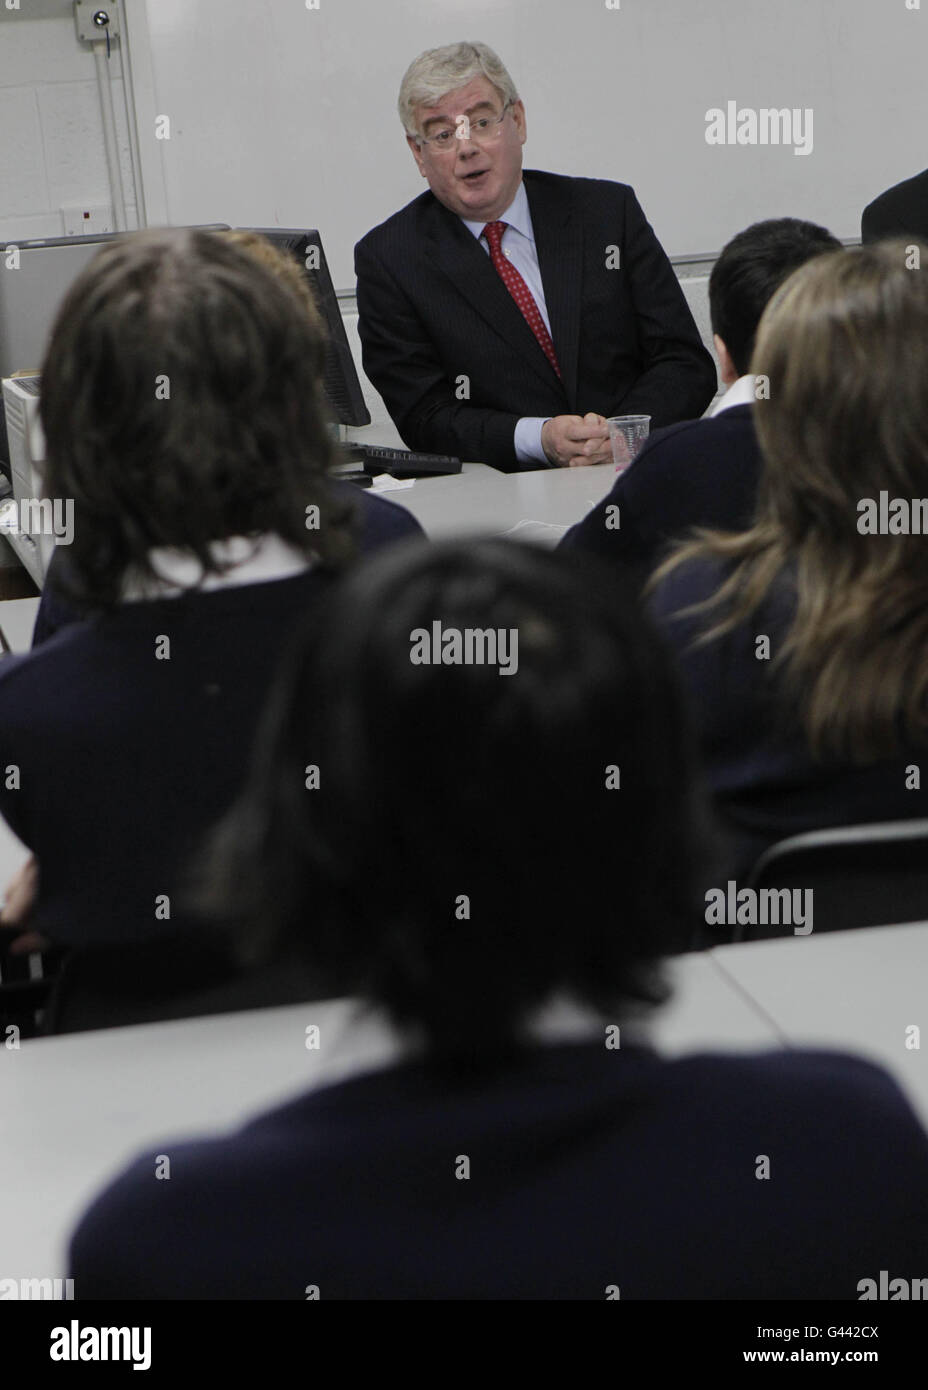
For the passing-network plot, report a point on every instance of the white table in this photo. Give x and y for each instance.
(482, 501)
(75, 1109)
(857, 991)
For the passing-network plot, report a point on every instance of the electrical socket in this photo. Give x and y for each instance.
(87, 219)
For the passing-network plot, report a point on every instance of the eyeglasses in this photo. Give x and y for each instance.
(483, 131)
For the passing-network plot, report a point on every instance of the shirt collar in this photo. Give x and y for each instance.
(741, 392)
(363, 1039)
(517, 215)
(253, 560)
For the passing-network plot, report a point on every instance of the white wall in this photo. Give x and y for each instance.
(286, 116)
(51, 151)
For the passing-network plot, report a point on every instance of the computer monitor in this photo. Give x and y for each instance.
(33, 282)
(31, 293)
(34, 286)
(342, 386)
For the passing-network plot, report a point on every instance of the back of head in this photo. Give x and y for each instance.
(751, 267)
(182, 404)
(485, 833)
(844, 347)
(283, 266)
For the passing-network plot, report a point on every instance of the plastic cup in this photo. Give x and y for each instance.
(627, 434)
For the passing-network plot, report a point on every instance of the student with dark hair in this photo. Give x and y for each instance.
(704, 472)
(804, 639)
(902, 211)
(377, 521)
(184, 419)
(494, 857)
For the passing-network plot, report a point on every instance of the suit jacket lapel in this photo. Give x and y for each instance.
(458, 254)
(559, 243)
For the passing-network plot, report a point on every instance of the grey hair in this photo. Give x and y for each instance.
(438, 71)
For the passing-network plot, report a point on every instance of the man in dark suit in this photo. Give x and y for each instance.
(503, 319)
(705, 472)
(901, 211)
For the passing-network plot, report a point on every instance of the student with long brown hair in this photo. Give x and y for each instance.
(805, 637)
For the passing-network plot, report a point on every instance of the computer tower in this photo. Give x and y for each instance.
(21, 517)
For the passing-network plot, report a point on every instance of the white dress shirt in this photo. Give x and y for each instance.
(740, 392)
(518, 243)
(253, 560)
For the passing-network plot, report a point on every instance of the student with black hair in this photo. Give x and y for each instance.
(902, 211)
(704, 472)
(494, 857)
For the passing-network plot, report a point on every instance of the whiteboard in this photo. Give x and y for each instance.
(286, 116)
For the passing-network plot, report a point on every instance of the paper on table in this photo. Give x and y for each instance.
(537, 532)
(384, 483)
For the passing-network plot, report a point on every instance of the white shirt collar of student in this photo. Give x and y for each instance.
(362, 1038)
(741, 392)
(253, 560)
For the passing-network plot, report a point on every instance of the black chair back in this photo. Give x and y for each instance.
(860, 876)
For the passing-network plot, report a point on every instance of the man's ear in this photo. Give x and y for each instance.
(727, 369)
(416, 154)
(518, 115)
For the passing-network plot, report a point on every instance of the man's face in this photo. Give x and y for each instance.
(477, 180)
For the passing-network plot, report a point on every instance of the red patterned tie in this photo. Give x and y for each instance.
(519, 290)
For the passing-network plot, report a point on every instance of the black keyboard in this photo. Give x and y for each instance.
(399, 463)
